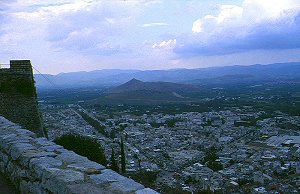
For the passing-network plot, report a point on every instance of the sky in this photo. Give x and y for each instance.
(85, 35)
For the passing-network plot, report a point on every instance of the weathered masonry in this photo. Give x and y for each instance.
(36, 165)
(18, 101)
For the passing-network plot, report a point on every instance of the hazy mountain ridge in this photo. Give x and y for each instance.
(139, 92)
(231, 74)
(137, 85)
(80, 79)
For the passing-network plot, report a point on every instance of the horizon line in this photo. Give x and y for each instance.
(172, 69)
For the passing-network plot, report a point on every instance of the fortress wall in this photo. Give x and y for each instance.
(18, 100)
(36, 165)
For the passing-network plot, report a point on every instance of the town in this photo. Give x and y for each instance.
(236, 150)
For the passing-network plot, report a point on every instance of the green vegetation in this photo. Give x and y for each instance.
(174, 190)
(208, 123)
(84, 146)
(122, 126)
(244, 123)
(204, 192)
(113, 163)
(157, 125)
(268, 97)
(242, 182)
(210, 159)
(287, 125)
(147, 178)
(112, 134)
(171, 123)
(94, 123)
(231, 162)
(123, 160)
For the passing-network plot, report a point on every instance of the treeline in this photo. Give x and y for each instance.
(94, 123)
(170, 123)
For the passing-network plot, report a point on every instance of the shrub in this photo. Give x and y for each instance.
(84, 146)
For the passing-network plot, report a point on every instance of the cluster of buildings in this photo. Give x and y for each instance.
(257, 153)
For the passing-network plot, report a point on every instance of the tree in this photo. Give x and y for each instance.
(231, 162)
(123, 160)
(210, 159)
(114, 164)
(112, 134)
(147, 178)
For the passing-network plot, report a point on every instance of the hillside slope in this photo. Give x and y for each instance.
(138, 92)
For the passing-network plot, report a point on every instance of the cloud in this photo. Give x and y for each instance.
(4, 12)
(154, 24)
(76, 25)
(256, 24)
(5, 3)
(170, 44)
(197, 26)
(100, 33)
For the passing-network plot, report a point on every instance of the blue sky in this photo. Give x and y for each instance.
(84, 35)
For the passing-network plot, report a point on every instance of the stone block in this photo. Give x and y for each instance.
(51, 148)
(88, 167)
(31, 187)
(30, 154)
(146, 191)
(6, 131)
(126, 186)
(42, 141)
(86, 188)
(39, 165)
(56, 180)
(7, 143)
(5, 139)
(25, 132)
(10, 167)
(24, 187)
(2, 167)
(19, 148)
(70, 157)
(106, 176)
(4, 158)
(65, 176)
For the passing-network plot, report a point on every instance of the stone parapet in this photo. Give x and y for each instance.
(36, 165)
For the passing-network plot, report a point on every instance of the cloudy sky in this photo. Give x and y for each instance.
(83, 35)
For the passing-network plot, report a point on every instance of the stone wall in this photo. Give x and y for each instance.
(38, 166)
(18, 100)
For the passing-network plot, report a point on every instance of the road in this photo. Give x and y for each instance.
(6, 187)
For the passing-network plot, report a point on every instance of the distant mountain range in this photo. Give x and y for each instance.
(201, 76)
